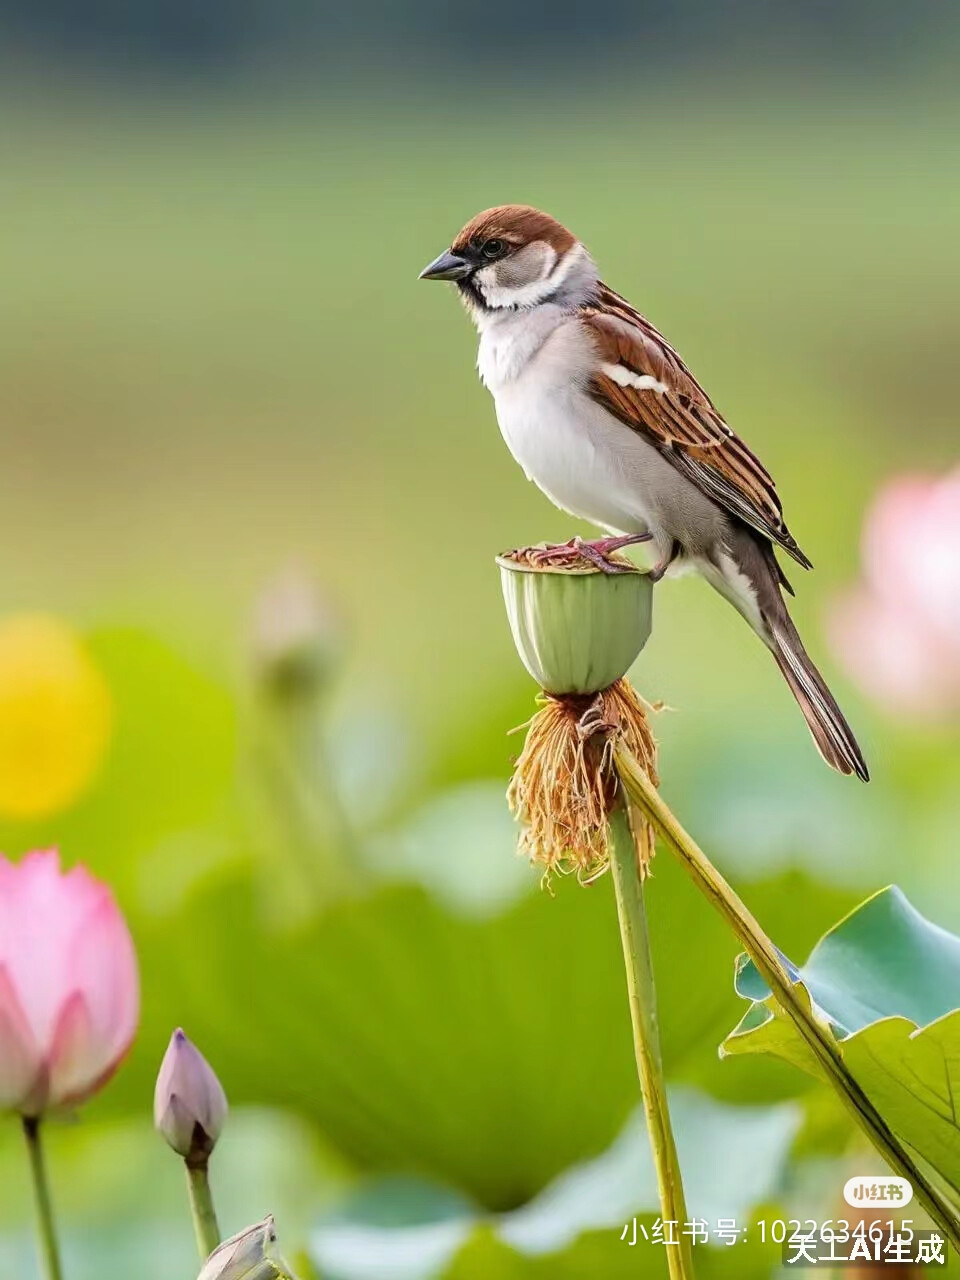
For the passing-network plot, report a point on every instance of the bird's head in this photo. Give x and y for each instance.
(512, 258)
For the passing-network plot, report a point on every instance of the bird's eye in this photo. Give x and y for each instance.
(494, 248)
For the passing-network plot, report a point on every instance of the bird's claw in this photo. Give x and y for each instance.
(602, 560)
(578, 554)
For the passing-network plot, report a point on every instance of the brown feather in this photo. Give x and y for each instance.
(518, 224)
(833, 736)
(682, 422)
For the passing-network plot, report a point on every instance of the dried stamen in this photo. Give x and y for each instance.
(564, 787)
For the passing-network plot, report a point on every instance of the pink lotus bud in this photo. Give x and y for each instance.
(69, 992)
(189, 1105)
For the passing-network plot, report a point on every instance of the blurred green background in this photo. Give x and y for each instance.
(216, 360)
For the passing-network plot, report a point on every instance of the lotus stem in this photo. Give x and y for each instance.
(577, 632)
(46, 1228)
(201, 1206)
(631, 910)
(644, 795)
(296, 766)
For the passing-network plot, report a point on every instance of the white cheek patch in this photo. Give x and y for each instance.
(530, 265)
(625, 377)
(529, 277)
(524, 295)
(520, 280)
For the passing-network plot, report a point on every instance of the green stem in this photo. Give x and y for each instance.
(296, 766)
(46, 1230)
(765, 956)
(631, 911)
(201, 1206)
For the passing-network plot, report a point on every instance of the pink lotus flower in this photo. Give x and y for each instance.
(69, 991)
(898, 633)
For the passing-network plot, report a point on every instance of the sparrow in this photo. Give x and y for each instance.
(606, 419)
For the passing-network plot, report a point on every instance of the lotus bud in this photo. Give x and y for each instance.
(250, 1255)
(189, 1105)
(69, 988)
(577, 630)
(297, 639)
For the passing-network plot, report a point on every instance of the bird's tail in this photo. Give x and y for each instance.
(833, 736)
(749, 576)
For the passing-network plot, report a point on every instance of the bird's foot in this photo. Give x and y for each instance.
(606, 545)
(600, 550)
(573, 554)
(559, 555)
(602, 558)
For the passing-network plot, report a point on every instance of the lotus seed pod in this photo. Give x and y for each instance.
(577, 630)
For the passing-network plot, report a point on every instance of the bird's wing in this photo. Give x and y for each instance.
(645, 384)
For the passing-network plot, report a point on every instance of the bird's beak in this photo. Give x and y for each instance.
(449, 266)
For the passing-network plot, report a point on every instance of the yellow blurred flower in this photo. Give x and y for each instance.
(55, 716)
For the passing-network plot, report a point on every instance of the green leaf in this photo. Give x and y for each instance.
(488, 1054)
(603, 1254)
(416, 1040)
(461, 845)
(886, 981)
(421, 1228)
